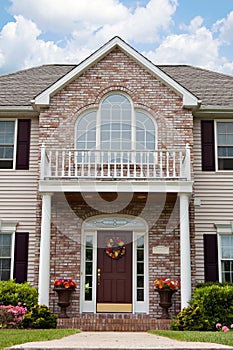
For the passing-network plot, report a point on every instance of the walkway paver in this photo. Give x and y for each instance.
(116, 340)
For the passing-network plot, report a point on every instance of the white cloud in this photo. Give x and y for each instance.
(20, 47)
(198, 47)
(64, 16)
(225, 27)
(145, 24)
(106, 18)
(80, 27)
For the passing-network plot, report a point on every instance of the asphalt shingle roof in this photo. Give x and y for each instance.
(19, 88)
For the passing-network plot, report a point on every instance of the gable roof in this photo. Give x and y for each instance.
(189, 100)
(38, 83)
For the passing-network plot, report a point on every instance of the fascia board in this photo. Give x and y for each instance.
(214, 111)
(189, 100)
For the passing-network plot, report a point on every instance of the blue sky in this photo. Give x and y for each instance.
(195, 32)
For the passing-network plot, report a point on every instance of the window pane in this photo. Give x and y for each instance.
(7, 135)
(5, 265)
(140, 295)
(227, 247)
(227, 271)
(88, 267)
(145, 132)
(89, 254)
(117, 112)
(225, 145)
(86, 131)
(140, 281)
(140, 268)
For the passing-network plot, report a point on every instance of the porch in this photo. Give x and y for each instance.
(81, 174)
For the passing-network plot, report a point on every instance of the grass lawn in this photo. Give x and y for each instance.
(195, 336)
(10, 337)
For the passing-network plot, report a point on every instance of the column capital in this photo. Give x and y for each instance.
(46, 193)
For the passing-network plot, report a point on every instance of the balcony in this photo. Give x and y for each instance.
(74, 164)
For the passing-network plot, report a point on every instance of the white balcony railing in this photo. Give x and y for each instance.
(102, 164)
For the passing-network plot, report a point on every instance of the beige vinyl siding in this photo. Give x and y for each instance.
(215, 192)
(18, 193)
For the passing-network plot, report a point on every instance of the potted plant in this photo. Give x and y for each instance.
(166, 287)
(64, 288)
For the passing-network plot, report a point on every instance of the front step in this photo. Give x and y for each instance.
(114, 322)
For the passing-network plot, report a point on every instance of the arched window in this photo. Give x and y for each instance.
(116, 125)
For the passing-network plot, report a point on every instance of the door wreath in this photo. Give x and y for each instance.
(115, 248)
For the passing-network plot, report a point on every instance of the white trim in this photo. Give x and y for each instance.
(9, 227)
(139, 228)
(115, 186)
(12, 254)
(185, 251)
(223, 229)
(189, 100)
(15, 120)
(216, 143)
(44, 264)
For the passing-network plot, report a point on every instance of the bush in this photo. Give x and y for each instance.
(11, 293)
(40, 316)
(211, 304)
(11, 316)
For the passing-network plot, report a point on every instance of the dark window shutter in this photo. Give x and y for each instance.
(21, 257)
(23, 144)
(211, 257)
(207, 145)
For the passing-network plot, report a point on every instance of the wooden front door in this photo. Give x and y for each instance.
(114, 273)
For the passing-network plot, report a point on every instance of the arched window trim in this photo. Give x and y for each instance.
(134, 111)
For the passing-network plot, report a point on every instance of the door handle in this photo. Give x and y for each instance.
(98, 276)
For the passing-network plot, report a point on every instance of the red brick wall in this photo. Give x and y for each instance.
(114, 72)
(66, 243)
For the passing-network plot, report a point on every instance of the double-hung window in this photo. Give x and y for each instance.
(226, 258)
(15, 143)
(217, 145)
(6, 259)
(224, 132)
(7, 143)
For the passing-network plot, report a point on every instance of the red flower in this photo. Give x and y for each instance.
(64, 283)
(167, 283)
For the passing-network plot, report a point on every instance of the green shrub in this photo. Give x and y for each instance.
(11, 293)
(211, 304)
(40, 316)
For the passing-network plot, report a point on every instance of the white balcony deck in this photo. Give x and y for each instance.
(159, 165)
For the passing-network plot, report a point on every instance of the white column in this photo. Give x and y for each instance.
(44, 267)
(185, 259)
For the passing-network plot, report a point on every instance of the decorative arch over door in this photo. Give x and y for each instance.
(109, 283)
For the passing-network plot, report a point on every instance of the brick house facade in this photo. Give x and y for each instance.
(133, 178)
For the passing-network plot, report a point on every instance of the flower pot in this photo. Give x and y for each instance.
(63, 300)
(165, 302)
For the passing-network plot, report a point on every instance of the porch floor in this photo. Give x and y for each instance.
(114, 322)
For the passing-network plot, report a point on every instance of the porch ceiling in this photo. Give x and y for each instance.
(141, 197)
